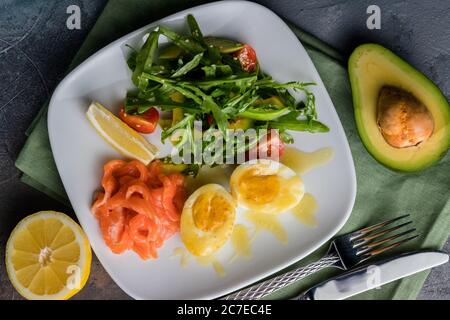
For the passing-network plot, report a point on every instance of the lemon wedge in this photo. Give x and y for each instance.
(48, 256)
(119, 135)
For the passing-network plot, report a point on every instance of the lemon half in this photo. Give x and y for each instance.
(48, 256)
(119, 135)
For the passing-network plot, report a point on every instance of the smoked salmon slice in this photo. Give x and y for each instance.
(139, 207)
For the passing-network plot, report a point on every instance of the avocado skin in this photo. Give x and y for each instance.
(415, 75)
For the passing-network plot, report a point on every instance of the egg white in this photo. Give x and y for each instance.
(290, 192)
(205, 243)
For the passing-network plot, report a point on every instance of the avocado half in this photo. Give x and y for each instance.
(377, 77)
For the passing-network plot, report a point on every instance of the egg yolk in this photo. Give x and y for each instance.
(259, 189)
(210, 211)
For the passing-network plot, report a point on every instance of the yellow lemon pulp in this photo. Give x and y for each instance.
(119, 135)
(48, 256)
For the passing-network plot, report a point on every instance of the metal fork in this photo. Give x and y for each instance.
(345, 252)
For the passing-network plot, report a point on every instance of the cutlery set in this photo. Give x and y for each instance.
(350, 252)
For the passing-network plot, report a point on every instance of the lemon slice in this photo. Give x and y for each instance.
(48, 256)
(119, 135)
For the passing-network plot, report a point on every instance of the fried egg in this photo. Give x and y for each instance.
(207, 220)
(266, 186)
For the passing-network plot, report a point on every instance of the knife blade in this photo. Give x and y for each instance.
(375, 275)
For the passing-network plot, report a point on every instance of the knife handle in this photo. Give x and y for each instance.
(265, 288)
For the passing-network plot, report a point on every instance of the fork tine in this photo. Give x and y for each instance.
(359, 233)
(376, 244)
(375, 252)
(370, 237)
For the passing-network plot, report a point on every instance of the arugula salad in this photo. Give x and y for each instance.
(213, 80)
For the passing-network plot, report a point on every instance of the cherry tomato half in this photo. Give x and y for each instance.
(247, 58)
(210, 119)
(271, 147)
(144, 123)
(274, 143)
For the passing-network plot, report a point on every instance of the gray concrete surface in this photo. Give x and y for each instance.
(36, 49)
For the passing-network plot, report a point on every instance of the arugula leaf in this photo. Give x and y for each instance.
(195, 30)
(291, 116)
(312, 126)
(286, 137)
(240, 81)
(185, 43)
(135, 105)
(290, 121)
(172, 85)
(179, 125)
(131, 61)
(157, 70)
(215, 70)
(310, 104)
(218, 92)
(188, 66)
(214, 55)
(237, 99)
(209, 105)
(219, 116)
(247, 104)
(145, 57)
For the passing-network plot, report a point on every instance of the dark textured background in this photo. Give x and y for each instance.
(36, 49)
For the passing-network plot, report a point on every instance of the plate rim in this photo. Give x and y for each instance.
(285, 263)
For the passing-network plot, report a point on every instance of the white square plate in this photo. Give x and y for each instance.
(80, 154)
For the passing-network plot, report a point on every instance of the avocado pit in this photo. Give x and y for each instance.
(403, 120)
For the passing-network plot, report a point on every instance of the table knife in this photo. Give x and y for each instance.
(374, 275)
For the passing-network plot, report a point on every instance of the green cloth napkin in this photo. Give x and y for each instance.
(381, 195)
